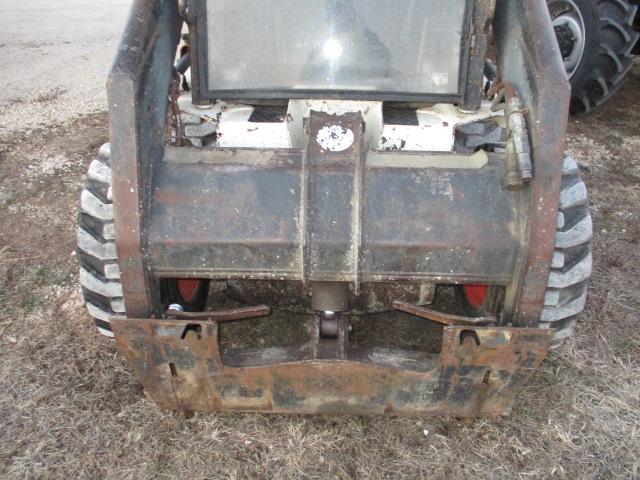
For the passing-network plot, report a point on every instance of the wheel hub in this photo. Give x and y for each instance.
(565, 39)
(188, 288)
(568, 25)
(476, 294)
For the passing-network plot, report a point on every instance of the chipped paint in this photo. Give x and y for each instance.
(335, 138)
(436, 128)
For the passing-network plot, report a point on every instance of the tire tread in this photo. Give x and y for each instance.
(97, 255)
(568, 279)
(605, 64)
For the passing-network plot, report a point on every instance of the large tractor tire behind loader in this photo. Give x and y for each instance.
(596, 39)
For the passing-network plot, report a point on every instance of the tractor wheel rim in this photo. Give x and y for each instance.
(565, 15)
(476, 294)
(188, 289)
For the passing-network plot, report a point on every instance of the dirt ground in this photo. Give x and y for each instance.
(70, 407)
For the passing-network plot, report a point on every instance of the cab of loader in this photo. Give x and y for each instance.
(336, 160)
(408, 66)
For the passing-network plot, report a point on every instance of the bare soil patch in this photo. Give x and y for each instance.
(70, 407)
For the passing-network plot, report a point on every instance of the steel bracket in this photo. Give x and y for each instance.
(478, 372)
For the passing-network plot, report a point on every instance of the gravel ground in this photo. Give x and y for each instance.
(56, 54)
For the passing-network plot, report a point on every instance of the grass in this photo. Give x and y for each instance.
(70, 407)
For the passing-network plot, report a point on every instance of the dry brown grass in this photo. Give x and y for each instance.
(70, 408)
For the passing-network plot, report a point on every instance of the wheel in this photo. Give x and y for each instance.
(595, 39)
(570, 266)
(97, 257)
(190, 293)
(475, 300)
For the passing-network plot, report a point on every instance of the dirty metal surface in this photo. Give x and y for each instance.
(137, 92)
(335, 197)
(443, 318)
(478, 373)
(291, 215)
(294, 296)
(536, 72)
(480, 32)
(220, 316)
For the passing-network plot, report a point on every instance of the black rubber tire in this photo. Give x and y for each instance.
(97, 257)
(571, 264)
(636, 27)
(609, 38)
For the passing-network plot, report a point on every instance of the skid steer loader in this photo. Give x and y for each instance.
(337, 166)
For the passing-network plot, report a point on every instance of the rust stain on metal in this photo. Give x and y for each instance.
(478, 373)
(220, 316)
(444, 318)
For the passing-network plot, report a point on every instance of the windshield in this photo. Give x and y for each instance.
(407, 46)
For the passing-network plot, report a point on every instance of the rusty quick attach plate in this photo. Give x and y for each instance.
(479, 372)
